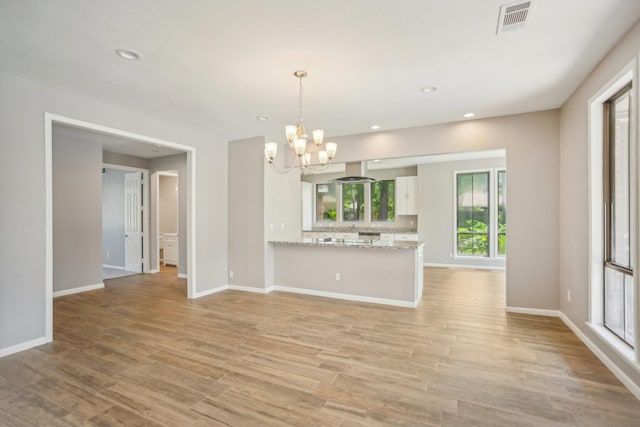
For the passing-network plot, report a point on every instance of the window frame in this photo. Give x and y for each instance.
(493, 215)
(497, 171)
(608, 181)
(315, 204)
(595, 274)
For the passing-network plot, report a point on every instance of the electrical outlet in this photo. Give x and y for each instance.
(450, 254)
(337, 276)
(282, 225)
(108, 255)
(230, 274)
(569, 296)
(411, 222)
(271, 227)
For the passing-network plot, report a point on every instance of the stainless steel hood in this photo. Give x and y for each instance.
(355, 172)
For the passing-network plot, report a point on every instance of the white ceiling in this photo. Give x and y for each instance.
(219, 64)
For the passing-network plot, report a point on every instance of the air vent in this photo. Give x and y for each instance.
(514, 16)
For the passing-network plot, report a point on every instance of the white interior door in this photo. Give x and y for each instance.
(133, 222)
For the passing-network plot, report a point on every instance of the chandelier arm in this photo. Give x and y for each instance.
(285, 169)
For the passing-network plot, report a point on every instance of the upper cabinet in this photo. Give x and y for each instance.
(407, 195)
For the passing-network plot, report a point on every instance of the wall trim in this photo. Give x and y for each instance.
(154, 271)
(211, 291)
(348, 297)
(624, 379)
(182, 276)
(78, 290)
(533, 311)
(476, 267)
(115, 267)
(251, 289)
(23, 346)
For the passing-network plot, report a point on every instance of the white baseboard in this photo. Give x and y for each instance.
(22, 346)
(251, 289)
(115, 267)
(182, 276)
(78, 290)
(348, 297)
(534, 311)
(476, 267)
(154, 271)
(624, 379)
(211, 291)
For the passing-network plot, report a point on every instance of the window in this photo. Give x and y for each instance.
(618, 270)
(502, 212)
(472, 214)
(326, 202)
(383, 200)
(353, 202)
(481, 213)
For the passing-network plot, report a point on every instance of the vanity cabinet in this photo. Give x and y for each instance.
(170, 251)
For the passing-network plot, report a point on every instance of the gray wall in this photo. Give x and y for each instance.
(531, 143)
(22, 261)
(168, 204)
(574, 178)
(246, 247)
(113, 217)
(436, 214)
(77, 214)
(176, 162)
(125, 160)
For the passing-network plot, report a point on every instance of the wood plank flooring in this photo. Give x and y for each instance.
(139, 353)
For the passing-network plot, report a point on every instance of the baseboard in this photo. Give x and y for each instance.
(115, 267)
(182, 276)
(348, 297)
(533, 311)
(78, 290)
(154, 271)
(211, 291)
(475, 267)
(22, 346)
(250, 289)
(624, 379)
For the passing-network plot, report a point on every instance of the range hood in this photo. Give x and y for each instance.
(355, 172)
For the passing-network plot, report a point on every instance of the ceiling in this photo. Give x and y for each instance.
(219, 64)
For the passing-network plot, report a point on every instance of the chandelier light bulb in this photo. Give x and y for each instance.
(318, 136)
(290, 132)
(271, 150)
(331, 148)
(323, 157)
(300, 146)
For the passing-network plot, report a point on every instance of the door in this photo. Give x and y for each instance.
(133, 222)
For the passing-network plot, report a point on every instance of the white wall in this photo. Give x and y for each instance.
(573, 182)
(113, 217)
(436, 212)
(22, 224)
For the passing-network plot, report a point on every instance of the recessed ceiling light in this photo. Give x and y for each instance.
(128, 54)
(428, 89)
(375, 127)
(468, 115)
(262, 118)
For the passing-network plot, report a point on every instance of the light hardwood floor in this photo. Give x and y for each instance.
(139, 353)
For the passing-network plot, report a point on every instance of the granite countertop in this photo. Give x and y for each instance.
(366, 229)
(349, 243)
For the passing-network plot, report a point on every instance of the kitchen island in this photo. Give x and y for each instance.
(374, 271)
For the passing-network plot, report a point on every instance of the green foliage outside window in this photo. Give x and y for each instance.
(383, 200)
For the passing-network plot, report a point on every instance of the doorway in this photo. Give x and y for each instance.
(167, 209)
(49, 121)
(125, 223)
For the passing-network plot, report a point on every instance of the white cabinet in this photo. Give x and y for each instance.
(407, 195)
(170, 250)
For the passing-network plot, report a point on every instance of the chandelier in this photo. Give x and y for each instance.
(297, 139)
